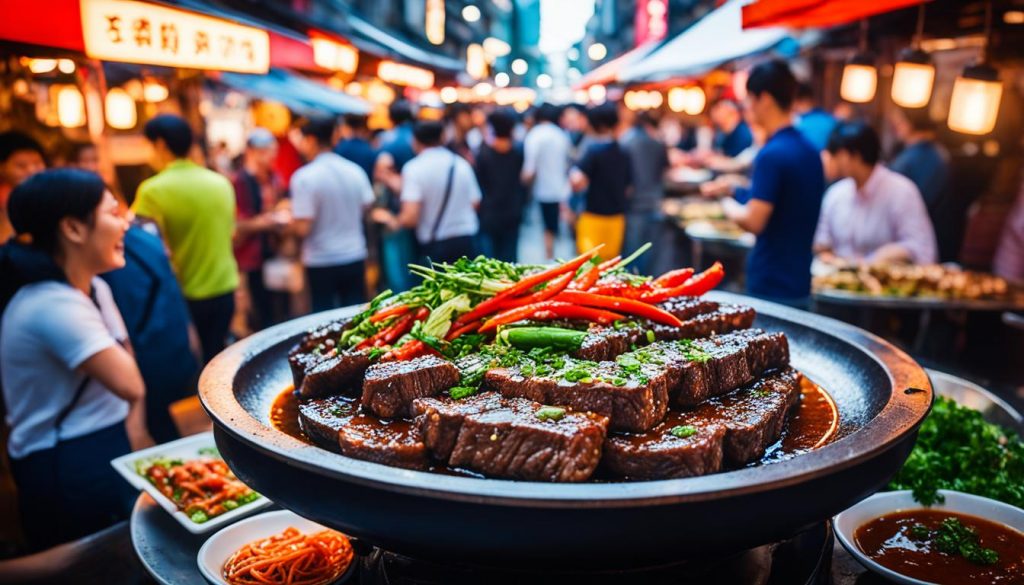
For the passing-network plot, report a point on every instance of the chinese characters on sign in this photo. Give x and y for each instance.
(335, 56)
(137, 32)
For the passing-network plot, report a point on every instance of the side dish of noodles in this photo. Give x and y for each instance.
(290, 558)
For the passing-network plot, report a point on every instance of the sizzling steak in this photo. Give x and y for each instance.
(390, 387)
(313, 347)
(338, 374)
(395, 442)
(322, 418)
(514, 438)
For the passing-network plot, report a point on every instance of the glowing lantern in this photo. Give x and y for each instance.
(120, 109)
(70, 107)
(975, 103)
(449, 95)
(434, 24)
(912, 80)
(154, 92)
(860, 80)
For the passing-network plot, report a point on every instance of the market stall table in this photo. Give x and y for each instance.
(867, 304)
(722, 235)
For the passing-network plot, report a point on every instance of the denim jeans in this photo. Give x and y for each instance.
(398, 250)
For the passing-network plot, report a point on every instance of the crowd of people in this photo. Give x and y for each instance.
(121, 301)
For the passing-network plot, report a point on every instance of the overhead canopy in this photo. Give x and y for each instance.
(368, 37)
(715, 39)
(609, 72)
(301, 95)
(816, 13)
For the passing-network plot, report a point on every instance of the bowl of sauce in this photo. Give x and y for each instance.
(964, 540)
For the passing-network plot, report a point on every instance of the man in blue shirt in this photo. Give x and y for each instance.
(397, 248)
(732, 135)
(813, 122)
(781, 206)
(355, 144)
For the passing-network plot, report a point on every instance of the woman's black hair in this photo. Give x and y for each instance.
(856, 138)
(37, 206)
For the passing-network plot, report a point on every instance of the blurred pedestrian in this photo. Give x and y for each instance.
(330, 196)
(439, 198)
(74, 396)
(732, 134)
(782, 204)
(813, 122)
(649, 159)
(498, 167)
(355, 143)
(871, 214)
(20, 158)
(605, 172)
(165, 344)
(546, 163)
(85, 156)
(460, 119)
(194, 208)
(258, 225)
(398, 246)
(1009, 258)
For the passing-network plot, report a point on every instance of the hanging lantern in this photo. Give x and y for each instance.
(120, 109)
(975, 103)
(860, 80)
(434, 21)
(677, 97)
(154, 91)
(696, 99)
(912, 79)
(70, 107)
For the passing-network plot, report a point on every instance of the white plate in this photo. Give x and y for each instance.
(889, 502)
(187, 448)
(216, 550)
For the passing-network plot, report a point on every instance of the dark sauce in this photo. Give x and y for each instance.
(889, 541)
(813, 423)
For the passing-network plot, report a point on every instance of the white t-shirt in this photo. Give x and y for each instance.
(546, 156)
(424, 179)
(48, 330)
(333, 192)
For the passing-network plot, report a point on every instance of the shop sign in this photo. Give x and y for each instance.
(138, 32)
(402, 74)
(335, 56)
(651, 20)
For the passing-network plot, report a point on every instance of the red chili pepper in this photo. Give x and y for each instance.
(693, 287)
(390, 334)
(494, 303)
(549, 310)
(391, 311)
(410, 350)
(608, 264)
(673, 278)
(456, 333)
(586, 280)
(617, 288)
(553, 288)
(622, 305)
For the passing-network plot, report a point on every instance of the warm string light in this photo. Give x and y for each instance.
(977, 93)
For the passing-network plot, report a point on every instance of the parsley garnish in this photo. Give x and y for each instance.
(683, 432)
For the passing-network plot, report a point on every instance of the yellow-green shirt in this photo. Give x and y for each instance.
(195, 210)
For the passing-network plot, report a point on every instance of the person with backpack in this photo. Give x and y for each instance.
(74, 395)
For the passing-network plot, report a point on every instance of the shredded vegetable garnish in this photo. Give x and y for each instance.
(290, 558)
(201, 488)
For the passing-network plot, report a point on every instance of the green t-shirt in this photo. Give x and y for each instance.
(195, 210)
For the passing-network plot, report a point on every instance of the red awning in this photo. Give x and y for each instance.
(816, 13)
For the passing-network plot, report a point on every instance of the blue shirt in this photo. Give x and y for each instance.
(398, 143)
(926, 163)
(816, 125)
(788, 174)
(734, 142)
(359, 151)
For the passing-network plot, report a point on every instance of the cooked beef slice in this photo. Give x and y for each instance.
(604, 344)
(633, 403)
(341, 373)
(659, 454)
(722, 320)
(753, 417)
(505, 437)
(390, 387)
(394, 442)
(685, 308)
(322, 418)
(314, 347)
(736, 428)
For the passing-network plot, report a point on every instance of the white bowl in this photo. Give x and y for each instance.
(848, 521)
(216, 550)
(186, 448)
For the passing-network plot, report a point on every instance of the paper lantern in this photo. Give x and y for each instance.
(912, 80)
(860, 80)
(120, 109)
(975, 102)
(154, 92)
(70, 107)
(696, 101)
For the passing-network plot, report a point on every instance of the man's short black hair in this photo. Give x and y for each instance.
(400, 112)
(502, 122)
(428, 132)
(774, 78)
(322, 129)
(173, 130)
(804, 91)
(13, 141)
(856, 138)
(548, 113)
(603, 117)
(646, 118)
(356, 121)
(455, 110)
